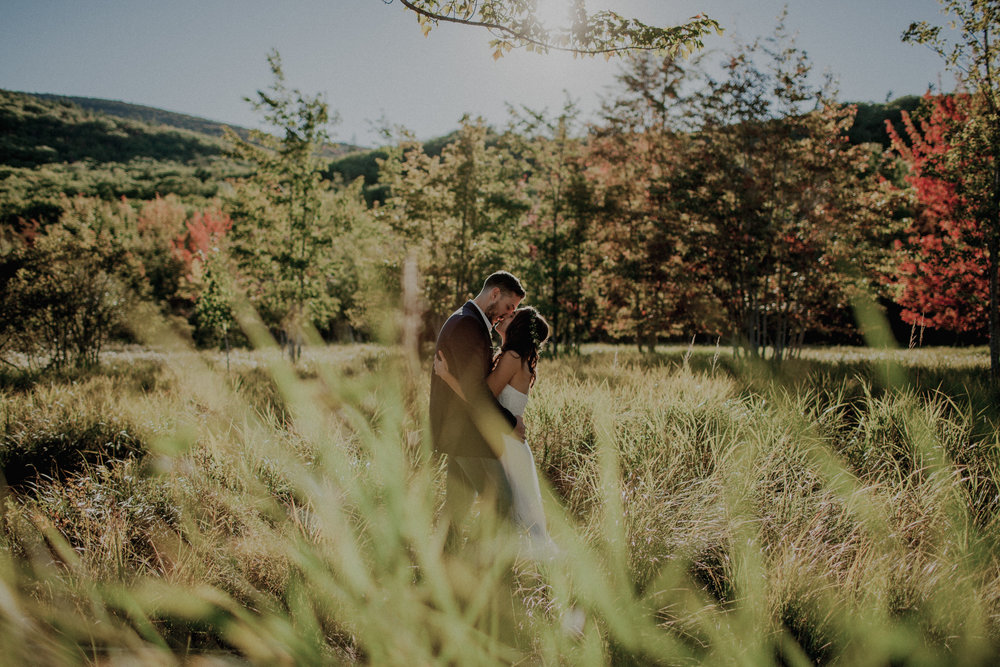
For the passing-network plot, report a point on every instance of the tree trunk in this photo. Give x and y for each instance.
(994, 269)
(554, 314)
(993, 245)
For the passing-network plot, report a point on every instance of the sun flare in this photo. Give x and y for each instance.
(553, 14)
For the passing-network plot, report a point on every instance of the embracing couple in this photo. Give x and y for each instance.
(476, 406)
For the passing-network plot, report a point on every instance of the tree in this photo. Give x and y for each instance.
(207, 275)
(213, 309)
(70, 287)
(940, 279)
(781, 195)
(646, 280)
(974, 56)
(557, 224)
(457, 212)
(367, 256)
(159, 222)
(735, 206)
(281, 242)
(416, 210)
(517, 23)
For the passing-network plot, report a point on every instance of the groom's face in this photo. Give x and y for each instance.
(501, 305)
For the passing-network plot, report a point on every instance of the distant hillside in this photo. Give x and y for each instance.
(36, 130)
(154, 116)
(52, 146)
(869, 124)
(148, 115)
(55, 145)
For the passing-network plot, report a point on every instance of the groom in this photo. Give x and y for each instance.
(469, 431)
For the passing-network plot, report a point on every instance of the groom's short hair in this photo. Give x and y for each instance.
(507, 282)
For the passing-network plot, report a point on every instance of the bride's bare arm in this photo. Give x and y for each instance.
(508, 364)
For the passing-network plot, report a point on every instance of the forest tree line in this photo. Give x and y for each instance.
(729, 204)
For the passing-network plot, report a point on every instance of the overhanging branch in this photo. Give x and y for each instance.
(514, 24)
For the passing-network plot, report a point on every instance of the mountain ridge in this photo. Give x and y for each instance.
(156, 116)
(146, 114)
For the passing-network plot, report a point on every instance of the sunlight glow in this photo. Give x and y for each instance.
(554, 14)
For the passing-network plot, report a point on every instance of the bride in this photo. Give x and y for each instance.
(511, 380)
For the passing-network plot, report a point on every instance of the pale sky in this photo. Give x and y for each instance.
(371, 61)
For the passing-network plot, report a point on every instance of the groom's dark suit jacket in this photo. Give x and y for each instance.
(460, 427)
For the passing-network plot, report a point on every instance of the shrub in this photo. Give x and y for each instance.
(70, 288)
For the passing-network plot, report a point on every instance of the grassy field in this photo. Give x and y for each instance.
(709, 511)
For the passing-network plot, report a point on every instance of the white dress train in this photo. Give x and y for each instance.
(526, 496)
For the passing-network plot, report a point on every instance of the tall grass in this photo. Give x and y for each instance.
(707, 511)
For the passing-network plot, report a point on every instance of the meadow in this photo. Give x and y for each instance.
(173, 506)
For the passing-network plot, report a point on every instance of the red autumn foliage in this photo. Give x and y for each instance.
(205, 231)
(162, 218)
(941, 277)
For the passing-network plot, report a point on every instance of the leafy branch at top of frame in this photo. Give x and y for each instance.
(516, 24)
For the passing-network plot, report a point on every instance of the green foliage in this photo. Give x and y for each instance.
(457, 213)
(36, 131)
(367, 256)
(72, 286)
(39, 193)
(558, 224)
(213, 310)
(612, 232)
(517, 24)
(282, 237)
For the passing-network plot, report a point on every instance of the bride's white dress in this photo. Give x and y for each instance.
(519, 466)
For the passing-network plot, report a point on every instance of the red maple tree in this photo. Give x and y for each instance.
(941, 277)
(204, 232)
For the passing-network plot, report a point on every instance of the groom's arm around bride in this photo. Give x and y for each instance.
(466, 427)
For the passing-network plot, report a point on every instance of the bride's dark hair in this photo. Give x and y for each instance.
(526, 334)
